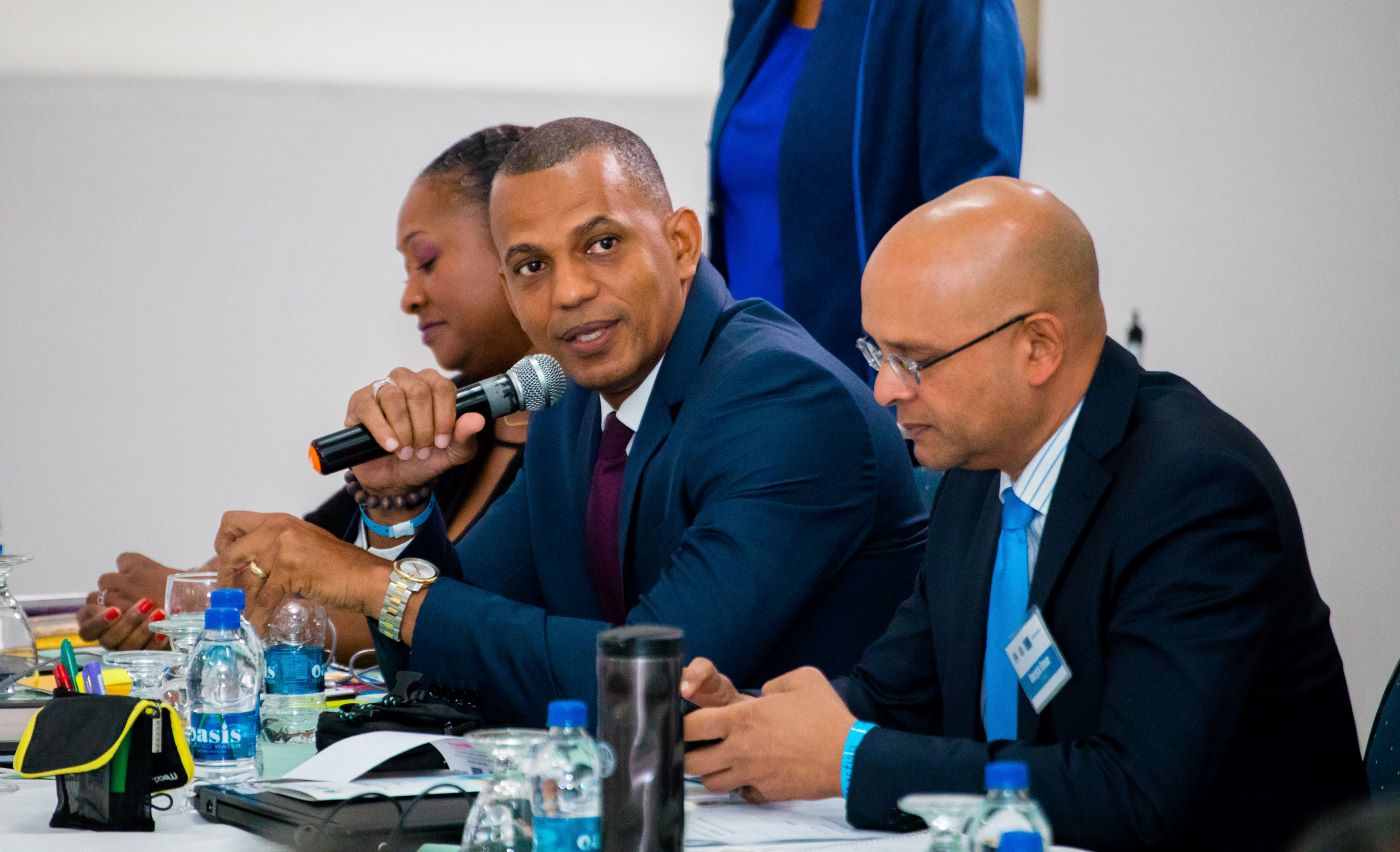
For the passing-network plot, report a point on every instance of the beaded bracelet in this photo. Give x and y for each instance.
(413, 498)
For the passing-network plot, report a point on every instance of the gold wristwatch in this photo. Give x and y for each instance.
(408, 576)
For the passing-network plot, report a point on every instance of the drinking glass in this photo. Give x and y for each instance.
(186, 599)
(18, 656)
(501, 818)
(149, 669)
(947, 815)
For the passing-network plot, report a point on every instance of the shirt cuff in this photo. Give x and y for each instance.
(848, 752)
(390, 553)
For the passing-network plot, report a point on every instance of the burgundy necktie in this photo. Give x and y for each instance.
(600, 525)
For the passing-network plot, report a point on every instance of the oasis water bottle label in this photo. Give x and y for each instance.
(572, 834)
(294, 669)
(223, 736)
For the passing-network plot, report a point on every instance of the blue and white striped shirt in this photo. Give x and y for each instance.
(1037, 483)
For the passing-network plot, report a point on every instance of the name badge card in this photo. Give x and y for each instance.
(1037, 661)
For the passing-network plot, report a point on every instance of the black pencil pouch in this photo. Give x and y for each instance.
(108, 754)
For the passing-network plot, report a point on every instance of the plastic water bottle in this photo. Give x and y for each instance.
(566, 777)
(236, 599)
(294, 681)
(1009, 807)
(223, 684)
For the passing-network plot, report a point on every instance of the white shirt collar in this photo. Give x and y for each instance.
(634, 406)
(1036, 484)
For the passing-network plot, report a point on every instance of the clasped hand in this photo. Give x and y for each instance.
(783, 745)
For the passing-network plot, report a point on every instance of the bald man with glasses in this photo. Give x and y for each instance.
(1115, 589)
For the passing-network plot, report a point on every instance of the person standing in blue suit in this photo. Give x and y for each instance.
(834, 120)
(709, 467)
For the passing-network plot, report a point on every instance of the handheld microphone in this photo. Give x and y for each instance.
(535, 382)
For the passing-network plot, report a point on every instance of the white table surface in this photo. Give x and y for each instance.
(24, 825)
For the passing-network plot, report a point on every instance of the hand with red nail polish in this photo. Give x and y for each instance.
(136, 579)
(126, 630)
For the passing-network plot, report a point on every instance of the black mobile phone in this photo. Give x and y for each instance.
(688, 707)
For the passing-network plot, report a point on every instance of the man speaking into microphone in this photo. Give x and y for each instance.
(709, 466)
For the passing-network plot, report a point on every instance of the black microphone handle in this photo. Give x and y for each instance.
(491, 398)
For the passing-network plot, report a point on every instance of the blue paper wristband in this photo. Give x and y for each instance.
(848, 752)
(403, 529)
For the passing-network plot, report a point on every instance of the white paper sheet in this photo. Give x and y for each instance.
(354, 756)
(405, 786)
(718, 822)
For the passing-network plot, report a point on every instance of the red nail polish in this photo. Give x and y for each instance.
(111, 613)
(145, 605)
(158, 615)
(160, 637)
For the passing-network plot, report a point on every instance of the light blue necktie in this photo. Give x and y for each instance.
(1006, 612)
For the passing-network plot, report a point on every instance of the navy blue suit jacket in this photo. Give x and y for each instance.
(1207, 707)
(767, 508)
(898, 102)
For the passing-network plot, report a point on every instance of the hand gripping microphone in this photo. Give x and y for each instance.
(535, 382)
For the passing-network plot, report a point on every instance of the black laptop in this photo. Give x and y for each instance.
(364, 823)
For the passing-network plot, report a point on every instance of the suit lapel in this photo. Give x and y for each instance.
(1083, 480)
(1083, 476)
(576, 586)
(655, 426)
(966, 606)
(705, 302)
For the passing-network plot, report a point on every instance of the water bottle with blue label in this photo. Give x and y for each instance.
(223, 688)
(566, 777)
(294, 681)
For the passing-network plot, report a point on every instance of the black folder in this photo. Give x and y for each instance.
(362, 824)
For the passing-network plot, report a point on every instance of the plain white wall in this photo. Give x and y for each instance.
(196, 266)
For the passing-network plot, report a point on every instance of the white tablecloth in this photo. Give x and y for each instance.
(24, 825)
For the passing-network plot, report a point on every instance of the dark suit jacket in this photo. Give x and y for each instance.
(1207, 707)
(898, 102)
(767, 509)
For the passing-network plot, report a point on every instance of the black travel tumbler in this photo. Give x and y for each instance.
(639, 716)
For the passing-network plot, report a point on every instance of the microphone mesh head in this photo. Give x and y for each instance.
(540, 380)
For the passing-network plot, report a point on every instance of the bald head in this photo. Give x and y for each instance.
(997, 243)
(994, 253)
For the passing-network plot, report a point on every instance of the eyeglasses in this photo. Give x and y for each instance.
(907, 369)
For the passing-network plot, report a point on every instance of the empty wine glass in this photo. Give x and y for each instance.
(18, 655)
(947, 815)
(186, 599)
(501, 819)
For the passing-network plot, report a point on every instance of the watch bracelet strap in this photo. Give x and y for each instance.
(396, 597)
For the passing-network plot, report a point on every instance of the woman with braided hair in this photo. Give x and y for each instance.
(453, 291)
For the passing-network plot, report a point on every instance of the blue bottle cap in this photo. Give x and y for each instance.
(220, 618)
(230, 598)
(568, 713)
(1007, 775)
(1021, 841)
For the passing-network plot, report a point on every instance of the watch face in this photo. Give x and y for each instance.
(418, 569)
